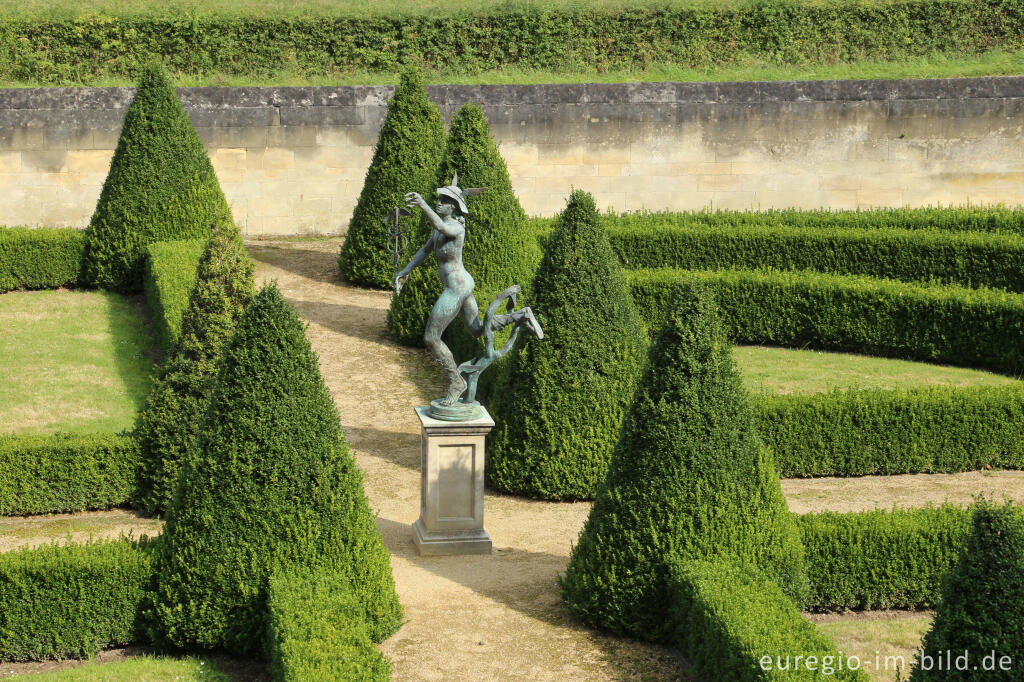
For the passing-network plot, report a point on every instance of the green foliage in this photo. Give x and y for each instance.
(161, 187)
(66, 473)
(728, 617)
(880, 559)
(1000, 219)
(316, 631)
(561, 402)
(40, 258)
(981, 610)
(689, 479)
(500, 250)
(947, 324)
(170, 278)
(408, 151)
(964, 258)
(269, 484)
(72, 49)
(71, 601)
(885, 432)
(167, 425)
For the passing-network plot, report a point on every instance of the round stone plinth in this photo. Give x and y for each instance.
(459, 412)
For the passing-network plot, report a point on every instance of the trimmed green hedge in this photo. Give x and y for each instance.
(885, 432)
(946, 219)
(40, 258)
(171, 269)
(75, 49)
(66, 473)
(969, 259)
(881, 559)
(71, 601)
(316, 630)
(734, 624)
(954, 325)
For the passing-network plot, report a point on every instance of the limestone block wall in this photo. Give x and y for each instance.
(292, 160)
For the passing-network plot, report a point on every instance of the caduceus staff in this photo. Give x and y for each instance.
(398, 239)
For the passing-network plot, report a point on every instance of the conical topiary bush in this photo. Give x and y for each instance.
(560, 403)
(161, 186)
(406, 158)
(689, 479)
(499, 250)
(167, 425)
(981, 611)
(270, 484)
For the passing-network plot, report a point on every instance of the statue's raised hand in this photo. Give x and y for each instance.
(414, 199)
(398, 282)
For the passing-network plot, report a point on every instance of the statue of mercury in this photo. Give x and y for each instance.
(448, 219)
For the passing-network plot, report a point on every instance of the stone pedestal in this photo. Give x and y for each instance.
(452, 486)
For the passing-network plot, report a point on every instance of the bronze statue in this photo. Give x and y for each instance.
(448, 219)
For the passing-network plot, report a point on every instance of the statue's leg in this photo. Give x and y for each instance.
(523, 316)
(471, 316)
(445, 310)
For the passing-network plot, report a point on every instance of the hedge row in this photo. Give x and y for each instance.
(170, 277)
(66, 473)
(881, 559)
(40, 258)
(71, 601)
(885, 432)
(967, 327)
(316, 630)
(76, 49)
(731, 623)
(945, 219)
(970, 259)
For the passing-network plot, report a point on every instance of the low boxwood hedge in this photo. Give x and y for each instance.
(66, 473)
(734, 624)
(881, 559)
(71, 601)
(316, 630)
(169, 279)
(40, 258)
(926, 322)
(969, 259)
(885, 432)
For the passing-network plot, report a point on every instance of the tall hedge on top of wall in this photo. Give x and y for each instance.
(40, 258)
(688, 479)
(406, 158)
(161, 186)
(305, 38)
(981, 612)
(561, 401)
(970, 259)
(270, 484)
(954, 325)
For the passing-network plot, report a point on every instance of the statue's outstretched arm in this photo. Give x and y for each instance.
(416, 261)
(414, 199)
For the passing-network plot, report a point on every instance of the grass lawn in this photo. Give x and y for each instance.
(74, 361)
(782, 371)
(140, 669)
(877, 633)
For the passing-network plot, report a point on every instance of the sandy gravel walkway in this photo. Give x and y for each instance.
(468, 618)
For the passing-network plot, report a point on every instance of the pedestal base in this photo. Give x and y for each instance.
(450, 542)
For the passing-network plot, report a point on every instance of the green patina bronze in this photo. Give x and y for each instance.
(448, 219)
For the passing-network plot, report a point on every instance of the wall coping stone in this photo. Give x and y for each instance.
(497, 95)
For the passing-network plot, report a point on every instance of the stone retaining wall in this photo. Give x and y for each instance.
(292, 160)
